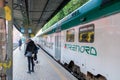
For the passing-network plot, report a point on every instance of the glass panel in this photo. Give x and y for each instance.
(70, 35)
(86, 33)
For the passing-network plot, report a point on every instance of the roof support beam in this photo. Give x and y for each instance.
(26, 4)
(42, 12)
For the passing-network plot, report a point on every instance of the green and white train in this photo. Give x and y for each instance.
(89, 36)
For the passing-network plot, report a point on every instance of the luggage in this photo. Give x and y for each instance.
(28, 54)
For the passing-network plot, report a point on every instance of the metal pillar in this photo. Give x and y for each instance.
(6, 44)
(2, 41)
(10, 41)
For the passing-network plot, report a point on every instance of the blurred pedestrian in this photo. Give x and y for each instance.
(20, 43)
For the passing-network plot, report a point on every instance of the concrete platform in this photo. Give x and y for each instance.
(46, 69)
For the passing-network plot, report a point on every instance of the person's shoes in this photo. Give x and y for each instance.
(29, 72)
(32, 70)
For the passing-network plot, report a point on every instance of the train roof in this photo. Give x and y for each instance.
(91, 10)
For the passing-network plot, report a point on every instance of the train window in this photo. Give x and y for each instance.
(86, 33)
(70, 35)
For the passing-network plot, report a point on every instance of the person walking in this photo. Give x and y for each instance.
(29, 53)
(20, 43)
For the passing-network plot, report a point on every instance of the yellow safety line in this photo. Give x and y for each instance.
(57, 71)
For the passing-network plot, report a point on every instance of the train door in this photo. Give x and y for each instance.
(58, 46)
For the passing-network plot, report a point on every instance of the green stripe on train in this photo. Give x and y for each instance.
(92, 15)
(99, 11)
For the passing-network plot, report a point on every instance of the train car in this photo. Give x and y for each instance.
(89, 37)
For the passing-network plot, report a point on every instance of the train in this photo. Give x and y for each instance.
(89, 36)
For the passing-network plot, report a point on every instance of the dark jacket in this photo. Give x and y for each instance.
(30, 47)
(20, 42)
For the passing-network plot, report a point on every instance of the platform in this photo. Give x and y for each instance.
(46, 69)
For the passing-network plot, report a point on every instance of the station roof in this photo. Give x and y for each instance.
(35, 14)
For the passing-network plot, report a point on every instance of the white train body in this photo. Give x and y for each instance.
(93, 44)
(106, 47)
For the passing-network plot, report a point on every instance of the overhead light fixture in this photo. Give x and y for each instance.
(21, 4)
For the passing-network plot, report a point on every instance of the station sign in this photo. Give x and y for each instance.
(29, 30)
(22, 30)
(32, 35)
